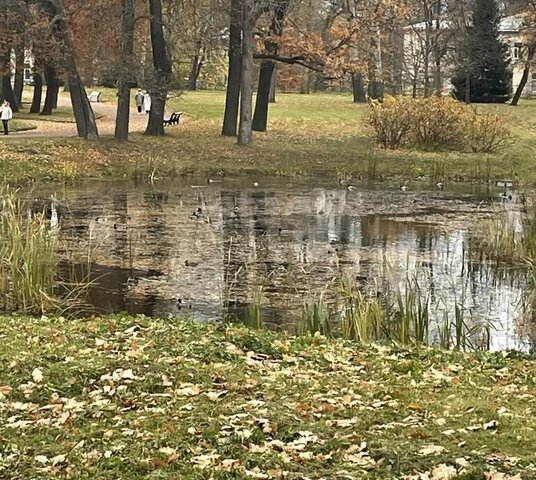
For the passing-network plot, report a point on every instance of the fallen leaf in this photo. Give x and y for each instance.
(432, 450)
(37, 375)
(5, 390)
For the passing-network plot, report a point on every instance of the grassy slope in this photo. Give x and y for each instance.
(132, 398)
(308, 134)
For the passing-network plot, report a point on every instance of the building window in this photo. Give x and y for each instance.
(517, 50)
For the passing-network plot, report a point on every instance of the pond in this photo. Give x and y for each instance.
(191, 246)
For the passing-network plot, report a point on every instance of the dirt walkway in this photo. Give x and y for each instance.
(105, 124)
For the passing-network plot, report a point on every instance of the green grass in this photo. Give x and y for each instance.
(320, 134)
(59, 115)
(137, 398)
(17, 125)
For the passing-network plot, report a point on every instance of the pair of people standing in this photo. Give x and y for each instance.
(6, 114)
(143, 102)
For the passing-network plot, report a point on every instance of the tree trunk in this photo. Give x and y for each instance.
(245, 130)
(7, 92)
(197, 65)
(375, 86)
(467, 88)
(526, 72)
(83, 113)
(232, 98)
(122, 119)
(38, 92)
(273, 85)
(358, 88)
(52, 90)
(260, 118)
(19, 75)
(192, 81)
(521, 86)
(162, 67)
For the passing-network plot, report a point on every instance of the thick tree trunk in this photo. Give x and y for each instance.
(260, 118)
(38, 92)
(375, 86)
(358, 88)
(245, 129)
(18, 86)
(273, 85)
(7, 92)
(122, 119)
(232, 98)
(51, 80)
(521, 86)
(83, 113)
(162, 67)
(192, 80)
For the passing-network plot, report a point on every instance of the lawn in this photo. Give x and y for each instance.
(137, 398)
(319, 134)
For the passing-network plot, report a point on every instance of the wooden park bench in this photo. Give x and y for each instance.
(174, 119)
(94, 97)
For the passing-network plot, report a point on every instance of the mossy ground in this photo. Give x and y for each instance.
(137, 398)
(319, 134)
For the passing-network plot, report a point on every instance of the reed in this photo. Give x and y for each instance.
(362, 318)
(315, 319)
(410, 322)
(28, 258)
(254, 316)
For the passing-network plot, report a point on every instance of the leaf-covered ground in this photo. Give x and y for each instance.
(132, 398)
(320, 134)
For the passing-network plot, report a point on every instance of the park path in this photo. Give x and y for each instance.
(105, 124)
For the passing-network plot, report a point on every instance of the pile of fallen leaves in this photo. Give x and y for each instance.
(130, 398)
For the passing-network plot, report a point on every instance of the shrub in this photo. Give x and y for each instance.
(391, 121)
(486, 132)
(437, 123)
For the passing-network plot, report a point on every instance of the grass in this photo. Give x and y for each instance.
(320, 134)
(139, 398)
(59, 115)
(28, 257)
(17, 125)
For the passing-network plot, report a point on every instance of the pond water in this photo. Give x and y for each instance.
(188, 246)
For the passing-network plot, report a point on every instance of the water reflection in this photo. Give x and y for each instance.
(183, 248)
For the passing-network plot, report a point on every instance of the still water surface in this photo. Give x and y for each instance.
(180, 248)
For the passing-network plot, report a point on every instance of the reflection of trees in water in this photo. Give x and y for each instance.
(291, 241)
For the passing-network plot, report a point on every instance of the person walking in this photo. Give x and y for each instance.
(147, 102)
(140, 98)
(6, 114)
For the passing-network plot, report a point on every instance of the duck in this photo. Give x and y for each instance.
(196, 215)
(350, 188)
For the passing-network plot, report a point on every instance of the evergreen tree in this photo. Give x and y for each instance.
(483, 59)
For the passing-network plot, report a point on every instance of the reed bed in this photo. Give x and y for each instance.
(28, 258)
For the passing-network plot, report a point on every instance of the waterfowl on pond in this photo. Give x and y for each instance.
(196, 215)
(235, 213)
